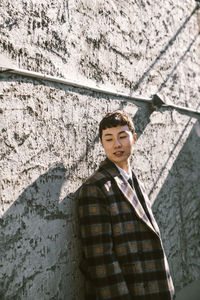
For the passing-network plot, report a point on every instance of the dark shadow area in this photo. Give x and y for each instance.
(175, 145)
(142, 118)
(164, 50)
(177, 210)
(172, 153)
(39, 242)
(190, 292)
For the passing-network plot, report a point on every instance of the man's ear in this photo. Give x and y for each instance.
(135, 137)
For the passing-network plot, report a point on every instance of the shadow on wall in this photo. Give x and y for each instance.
(190, 292)
(39, 243)
(142, 118)
(177, 211)
(164, 50)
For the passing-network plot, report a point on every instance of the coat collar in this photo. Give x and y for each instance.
(129, 194)
(109, 167)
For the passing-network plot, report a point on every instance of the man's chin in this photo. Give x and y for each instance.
(118, 160)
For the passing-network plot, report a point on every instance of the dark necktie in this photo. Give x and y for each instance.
(130, 181)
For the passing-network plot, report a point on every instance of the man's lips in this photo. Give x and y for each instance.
(118, 153)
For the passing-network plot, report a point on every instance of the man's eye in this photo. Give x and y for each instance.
(123, 136)
(109, 140)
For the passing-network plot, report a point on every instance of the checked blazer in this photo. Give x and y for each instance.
(123, 255)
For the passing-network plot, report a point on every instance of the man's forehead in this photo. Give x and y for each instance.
(114, 130)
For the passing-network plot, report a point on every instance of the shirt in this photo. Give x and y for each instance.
(124, 174)
(129, 177)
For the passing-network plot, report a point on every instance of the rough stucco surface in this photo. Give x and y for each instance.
(48, 140)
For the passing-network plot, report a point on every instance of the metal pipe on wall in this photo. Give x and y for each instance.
(155, 100)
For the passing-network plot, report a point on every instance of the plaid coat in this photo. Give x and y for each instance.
(123, 256)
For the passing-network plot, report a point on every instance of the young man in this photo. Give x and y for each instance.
(123, 256)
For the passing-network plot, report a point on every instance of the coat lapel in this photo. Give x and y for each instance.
(130, 194)
(148, 204)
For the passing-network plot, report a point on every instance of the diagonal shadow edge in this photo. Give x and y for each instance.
(178, 63)
(172, 151)
(163, 51)
(57, 172)
(176, 206)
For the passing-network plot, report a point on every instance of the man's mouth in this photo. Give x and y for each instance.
(118, 153)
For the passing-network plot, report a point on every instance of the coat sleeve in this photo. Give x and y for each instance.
(102, 267)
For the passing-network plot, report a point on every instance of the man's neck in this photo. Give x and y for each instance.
(126, 167)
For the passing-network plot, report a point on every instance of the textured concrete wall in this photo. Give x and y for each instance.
(48, 141)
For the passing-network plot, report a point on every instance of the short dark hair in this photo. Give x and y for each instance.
(114, 119)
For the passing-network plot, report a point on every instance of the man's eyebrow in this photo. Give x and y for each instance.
(123, 131)
(110, 134)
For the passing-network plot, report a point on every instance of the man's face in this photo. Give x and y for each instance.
(118, 144)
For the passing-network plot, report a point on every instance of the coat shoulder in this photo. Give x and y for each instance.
(96, 185)
(98, 178)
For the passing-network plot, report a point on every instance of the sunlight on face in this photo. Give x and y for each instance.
(118, 144)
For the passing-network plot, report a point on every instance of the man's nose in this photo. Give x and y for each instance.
(117, 143)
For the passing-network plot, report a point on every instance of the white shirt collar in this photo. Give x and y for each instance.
(124, 174)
